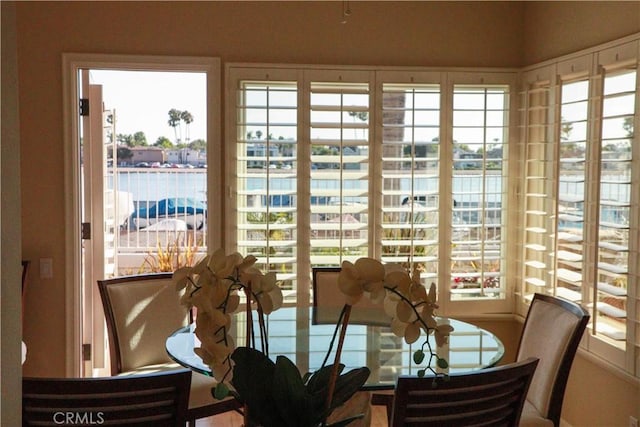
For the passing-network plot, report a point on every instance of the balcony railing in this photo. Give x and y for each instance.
(161, 218)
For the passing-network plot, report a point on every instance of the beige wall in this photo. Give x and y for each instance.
(386, 33)
(10, 248)
(502, 34)
(595, 397)
(557, 28)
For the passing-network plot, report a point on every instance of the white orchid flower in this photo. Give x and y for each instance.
(411, 333)
(367, 274)
(400, 282)
(268, 293)
(442, 333)
(212, 286)
(223, 265)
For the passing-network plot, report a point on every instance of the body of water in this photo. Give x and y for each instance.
(148, 186)
(151, 185)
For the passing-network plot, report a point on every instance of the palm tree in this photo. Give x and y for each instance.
(174, 122)
(188, 118)
(360, 115)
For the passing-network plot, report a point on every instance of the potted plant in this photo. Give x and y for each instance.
(282, 397)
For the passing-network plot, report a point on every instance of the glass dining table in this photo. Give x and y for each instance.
(291, 333)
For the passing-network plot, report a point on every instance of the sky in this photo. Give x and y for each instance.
(142, 100)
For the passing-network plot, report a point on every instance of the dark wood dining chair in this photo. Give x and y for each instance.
(141, 312)
(158, 399)
(488, 397)
(552, 331)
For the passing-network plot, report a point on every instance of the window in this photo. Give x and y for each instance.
(410, 175)
(480, 131)
(266, 168)
(335, 165)
(537, 130)
(420, 168)
(580, 208)
(572, 154)
(339, 170)
(614, 163)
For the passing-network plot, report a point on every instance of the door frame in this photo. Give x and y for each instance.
(72, 63)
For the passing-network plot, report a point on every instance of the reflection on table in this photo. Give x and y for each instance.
(291, 334)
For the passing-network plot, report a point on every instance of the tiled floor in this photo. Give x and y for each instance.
(233, 419)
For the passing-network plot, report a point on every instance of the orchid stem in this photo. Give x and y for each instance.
(336, 362)
(333, 337)
(264, 342)
(248, 340)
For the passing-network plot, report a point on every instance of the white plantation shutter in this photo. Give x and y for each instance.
(310, 188)
(266, 175)
(418, 167)
(410, 175)
(614, 215)
(339, 119)
(480, 135)
(583, 193)
(538, 225)
(571, 187)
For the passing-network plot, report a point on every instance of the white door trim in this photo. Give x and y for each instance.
(71, 64)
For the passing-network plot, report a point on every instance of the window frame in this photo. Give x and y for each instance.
(304, 75)
(591, 66)
(547, 76)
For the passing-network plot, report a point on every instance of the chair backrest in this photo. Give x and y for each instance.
(488, 397)
(158, 399)
(141, 312)
(551, 332)
(328, 302)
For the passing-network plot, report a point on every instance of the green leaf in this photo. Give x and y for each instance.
(276, 393)
(290, 395)
(253, 380)
(347, 384)
(418, 356)
(251, 364)
(320, 378)
(442, 363)
(220, 391)
(318, 388)
(421, 373)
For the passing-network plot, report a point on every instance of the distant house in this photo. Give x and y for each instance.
(148, 155)
(467, 160)
(185, 156)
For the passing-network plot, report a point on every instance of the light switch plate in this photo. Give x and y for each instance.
(46, 268)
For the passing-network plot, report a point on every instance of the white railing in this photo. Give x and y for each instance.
(166, 222)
